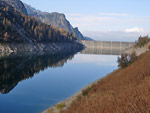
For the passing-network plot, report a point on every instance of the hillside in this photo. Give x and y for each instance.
(56, 19)
(16, 27)
(124, 90)
(18, 5)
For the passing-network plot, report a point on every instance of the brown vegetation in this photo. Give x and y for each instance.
(142, 41)
(126, 90)
(14, 24)
(60, 105)
(126, 59)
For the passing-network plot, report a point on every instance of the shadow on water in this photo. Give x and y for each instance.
(16, 68)
(49, 84)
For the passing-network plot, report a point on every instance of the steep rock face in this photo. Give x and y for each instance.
(88, 38)
(78, 33)
(18, 5)
(56, 19)
(30, 9)
(18, 28)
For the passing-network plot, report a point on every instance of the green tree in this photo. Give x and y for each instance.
(142, 41)
(125, 59)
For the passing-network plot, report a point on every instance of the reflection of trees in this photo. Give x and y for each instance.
(18, 68)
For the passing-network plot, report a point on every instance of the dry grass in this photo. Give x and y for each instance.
(50, 111)
(124, 91)
(86, 91)
(60, 105)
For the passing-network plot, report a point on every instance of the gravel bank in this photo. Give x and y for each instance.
(8, 49)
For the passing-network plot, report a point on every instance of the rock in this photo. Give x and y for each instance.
(18, 5)
(56, 19)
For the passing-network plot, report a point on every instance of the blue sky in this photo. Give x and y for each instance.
(97, 17)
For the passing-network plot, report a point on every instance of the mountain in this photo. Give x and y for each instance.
(88, 38)
(56, 19)
(18, 5)
(16, 27)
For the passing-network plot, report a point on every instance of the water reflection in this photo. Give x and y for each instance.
(49, 85)
(14, 69)
(104, 51)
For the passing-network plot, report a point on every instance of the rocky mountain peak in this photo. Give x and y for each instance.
(56, 19)
(18, 5)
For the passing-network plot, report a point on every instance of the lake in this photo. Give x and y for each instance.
(33, 83)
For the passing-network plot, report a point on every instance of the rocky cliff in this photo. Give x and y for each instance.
(17, 4)
(56, 19)
(23, 33)
(16, 27)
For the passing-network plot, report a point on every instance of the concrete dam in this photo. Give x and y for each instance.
(106, 47)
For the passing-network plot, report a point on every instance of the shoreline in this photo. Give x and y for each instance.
(67, 102)
(8, 49)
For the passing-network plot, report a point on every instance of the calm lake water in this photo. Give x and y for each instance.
(31, 84)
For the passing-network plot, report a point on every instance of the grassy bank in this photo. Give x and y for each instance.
(124, 90)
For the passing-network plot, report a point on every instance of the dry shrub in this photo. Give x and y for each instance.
(125, 60)
(142, 41)
(126, 90)
(60, 105)
(85, 91)
(49, 110)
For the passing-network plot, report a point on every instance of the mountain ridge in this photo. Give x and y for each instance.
(56, 19)
(17, 27)
(18, 5)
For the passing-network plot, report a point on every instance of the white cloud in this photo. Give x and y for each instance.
(114, 14)
(89, 19)
(87, 22)
(112, 35)
(135, 29)
(111, 26)
(115, 35)
(108, 22)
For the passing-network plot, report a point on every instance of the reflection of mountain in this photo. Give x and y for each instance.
(17, 68)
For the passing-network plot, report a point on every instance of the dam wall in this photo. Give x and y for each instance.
(107, 44)
(106, 47)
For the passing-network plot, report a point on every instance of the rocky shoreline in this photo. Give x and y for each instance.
(137, 50)
(40, 48)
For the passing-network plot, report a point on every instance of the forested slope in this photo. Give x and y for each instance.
(16, 27)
